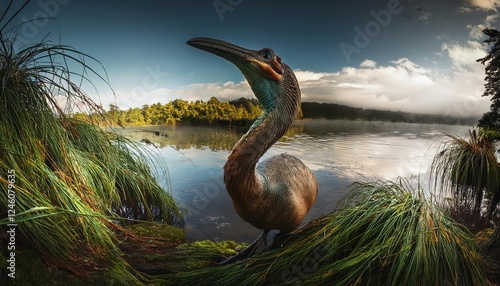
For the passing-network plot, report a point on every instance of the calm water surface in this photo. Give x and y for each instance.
(338, 152)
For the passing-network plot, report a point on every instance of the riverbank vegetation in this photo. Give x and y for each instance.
(466, 171)
(337, 111)
(72, 190)
(242, 112)
(68, 187)
(384, 233)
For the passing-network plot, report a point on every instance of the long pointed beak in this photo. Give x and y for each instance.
(248, 61)
(233, 53)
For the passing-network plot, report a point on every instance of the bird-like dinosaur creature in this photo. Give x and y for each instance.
(278, 192)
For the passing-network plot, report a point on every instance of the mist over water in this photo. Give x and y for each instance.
(338, 152)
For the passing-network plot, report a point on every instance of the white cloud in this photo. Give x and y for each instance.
(476, 31)
(464, 9)
(485, 4)
(490, 19)
(425, 17)
(400, 85)
(226, 91)
(138, 98)
(368, 64)
(464, 57)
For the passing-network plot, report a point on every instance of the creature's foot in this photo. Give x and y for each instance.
(249, 250)
(278, 240)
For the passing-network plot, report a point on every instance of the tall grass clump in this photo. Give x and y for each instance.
(385, 233)
(72, 180)
(468, 169)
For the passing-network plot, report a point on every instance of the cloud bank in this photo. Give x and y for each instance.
(400, 85)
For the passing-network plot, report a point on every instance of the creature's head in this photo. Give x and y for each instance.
(263, 69)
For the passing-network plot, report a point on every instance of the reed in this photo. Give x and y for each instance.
(385, 233)
(468, 170)
(73, 181)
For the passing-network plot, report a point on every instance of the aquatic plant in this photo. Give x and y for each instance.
(68, 181)
(469, 170)
(384, 233)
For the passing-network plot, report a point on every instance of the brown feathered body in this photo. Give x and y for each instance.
(278, 192)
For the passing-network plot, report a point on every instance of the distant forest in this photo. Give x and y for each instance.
(338, 111)
(242, 112)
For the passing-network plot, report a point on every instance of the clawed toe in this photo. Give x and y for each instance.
(249, 251)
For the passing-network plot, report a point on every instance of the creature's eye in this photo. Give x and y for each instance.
(266, 54)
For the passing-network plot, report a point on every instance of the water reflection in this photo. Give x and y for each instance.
(338, 152)
(186, 137)
(198, 137)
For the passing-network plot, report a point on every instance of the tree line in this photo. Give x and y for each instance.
(315, 110)
(242, 112)
(239, 112)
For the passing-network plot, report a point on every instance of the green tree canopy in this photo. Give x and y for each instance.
(241, 112)
(491, 119)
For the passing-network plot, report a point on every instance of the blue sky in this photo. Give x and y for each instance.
(408, 55)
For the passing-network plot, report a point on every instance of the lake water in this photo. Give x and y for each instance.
(338, 152)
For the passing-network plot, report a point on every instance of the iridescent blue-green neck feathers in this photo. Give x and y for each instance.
(278, 192)
(282, 106)
(280, 102)
(276, 88)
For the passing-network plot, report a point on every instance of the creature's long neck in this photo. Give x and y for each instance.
(241, 180)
